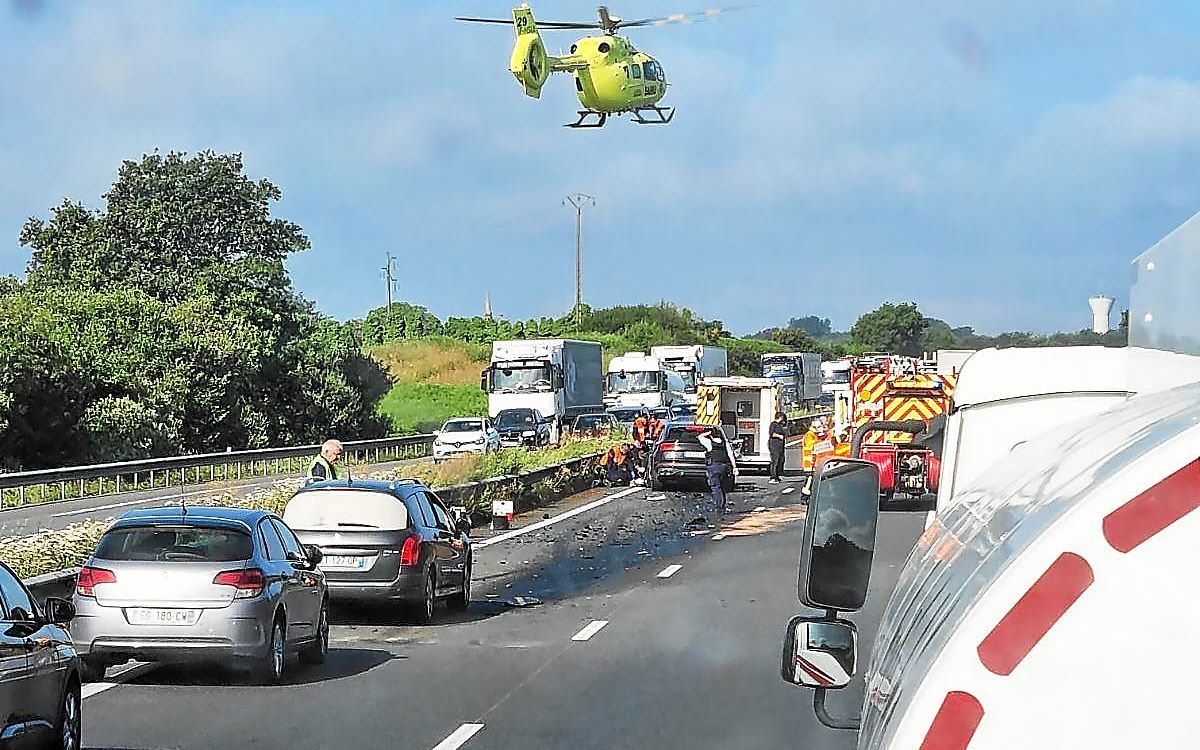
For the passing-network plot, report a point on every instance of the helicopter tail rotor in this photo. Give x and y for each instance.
(529, 62)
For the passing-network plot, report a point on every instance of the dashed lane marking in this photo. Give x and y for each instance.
(118, 677)
(459, 737)
(670, 570)
(551, 521)
(789, 490)
(589, 630)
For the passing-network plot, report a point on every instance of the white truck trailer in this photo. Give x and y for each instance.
(560, 378)
(639, 379)
(1063, 545)
(694, 363)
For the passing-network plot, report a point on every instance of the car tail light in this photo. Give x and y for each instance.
(410, 553)
(85, 585)
(668, 446)
(249, 582)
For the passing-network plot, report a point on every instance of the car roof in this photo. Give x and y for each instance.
(199, 514)
(394, 486)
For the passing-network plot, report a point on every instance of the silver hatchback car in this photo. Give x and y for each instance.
(201, 584)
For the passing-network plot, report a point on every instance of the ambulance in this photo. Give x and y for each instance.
(1052, 600)
(743, 408)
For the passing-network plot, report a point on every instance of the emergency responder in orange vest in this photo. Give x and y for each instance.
(641, 438)
(617, 463)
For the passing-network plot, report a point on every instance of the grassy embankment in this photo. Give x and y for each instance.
(435, 379)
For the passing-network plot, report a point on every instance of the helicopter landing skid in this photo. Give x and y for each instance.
(585, 120)
(663, 115)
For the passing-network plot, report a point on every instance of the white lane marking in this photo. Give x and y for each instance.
(670, 570)
(589, 630)
(657, 497)
(551, 521)
(459, 737)
(717, 537)
(119, 677)
(789, 490)
(159, 499)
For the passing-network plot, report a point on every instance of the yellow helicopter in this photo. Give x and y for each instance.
(611, 76)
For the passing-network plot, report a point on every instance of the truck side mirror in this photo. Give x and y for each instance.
(819, 653)
(483, 381)
(839, 536)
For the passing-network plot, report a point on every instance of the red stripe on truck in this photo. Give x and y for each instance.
(1035, 613)
(955, 723)
(1154, 510)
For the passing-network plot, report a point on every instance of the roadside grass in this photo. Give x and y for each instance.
(433, 379)
(423, 407)
(433, 360)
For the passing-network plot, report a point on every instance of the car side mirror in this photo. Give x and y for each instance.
(819, 653)
(839, 536)
(314, 554)
(462, 519)
(59, 611)
(437, 432)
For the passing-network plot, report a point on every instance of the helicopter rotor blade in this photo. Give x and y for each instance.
(681, 18)
(540, 24)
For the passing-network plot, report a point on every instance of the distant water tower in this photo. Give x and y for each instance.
(1101, 308)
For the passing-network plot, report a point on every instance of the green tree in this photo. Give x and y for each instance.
(896, 328)
(168, 318)
(812, 325)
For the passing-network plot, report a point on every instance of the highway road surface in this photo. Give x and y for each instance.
(654, 630)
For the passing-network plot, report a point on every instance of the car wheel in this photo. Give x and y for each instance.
(92, 669)
(728, 484)
(460, 601)
(656, 484)
(425, 605)
(318, 651)
(68, 728)
(269, 669)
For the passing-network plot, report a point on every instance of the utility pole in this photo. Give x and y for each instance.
(578, 201)
(387, 273)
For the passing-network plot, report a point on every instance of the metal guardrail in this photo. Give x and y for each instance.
(23, 488)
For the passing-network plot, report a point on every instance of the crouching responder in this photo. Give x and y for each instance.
(720, 464)
(324, 466)
(618, 465)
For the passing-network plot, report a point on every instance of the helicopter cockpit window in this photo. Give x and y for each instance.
(603, 47)
(651, 71)
(574, 48)
(636, 70)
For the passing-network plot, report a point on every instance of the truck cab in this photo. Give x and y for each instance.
(558, 378)
(637, 379)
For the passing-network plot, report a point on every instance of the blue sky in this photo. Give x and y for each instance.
(997, 162)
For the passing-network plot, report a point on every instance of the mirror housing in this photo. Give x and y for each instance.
(462, 519)
(819, 653)
(59, 611)
(839, 536)
(314, 554)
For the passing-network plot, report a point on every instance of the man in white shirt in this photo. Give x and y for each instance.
(721, 465)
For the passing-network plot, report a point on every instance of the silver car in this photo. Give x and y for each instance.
(201, 584)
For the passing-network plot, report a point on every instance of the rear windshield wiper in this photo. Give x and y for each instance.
(359, 525)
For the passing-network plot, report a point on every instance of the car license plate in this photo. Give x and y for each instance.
(343, 562)
(143, 616)
(693, 454)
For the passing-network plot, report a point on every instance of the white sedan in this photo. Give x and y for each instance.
(461, 436)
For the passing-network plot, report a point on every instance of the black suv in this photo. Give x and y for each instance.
(522, 427)
(40, 701)
(386, 541)
(678, 456)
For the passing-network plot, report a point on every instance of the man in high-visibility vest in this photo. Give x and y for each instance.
(324, 466)
(617, 463)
